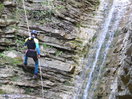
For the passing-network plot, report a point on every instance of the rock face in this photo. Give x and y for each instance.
(123, 69)
(7, 25)
(64, 36)
(7, 33)
(67, 28)
(63, 31)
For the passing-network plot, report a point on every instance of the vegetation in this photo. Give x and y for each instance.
(8, 60)
(116, 33)
(46, 46)
(78, 25)
(14, 78)
(19, 12)
(68, 83)
(1, 91)
(58, 53)
(1, 8)
(94, 38)
(77, 44)
(20, 44)
(44, 16)
(29, 90)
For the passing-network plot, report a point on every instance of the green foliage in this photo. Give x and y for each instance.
(1, 8)
(46, 46)
(1, 55)
(20, 44)
(9, 48)
(58, 53)
(59, 7)
(40, 15)
(45, 15)
(94, 38)
(78, 25)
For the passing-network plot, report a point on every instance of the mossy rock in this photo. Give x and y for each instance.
(8, 60)
(2, 92)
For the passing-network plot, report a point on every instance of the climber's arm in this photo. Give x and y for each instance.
(37, 46)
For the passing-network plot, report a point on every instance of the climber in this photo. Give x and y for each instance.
(33, 51)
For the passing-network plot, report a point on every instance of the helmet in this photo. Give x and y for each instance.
(34, 32)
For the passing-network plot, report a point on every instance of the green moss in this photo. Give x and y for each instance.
(77, 43)
(14, 78)
(2, 92)
(7, 60)
(68, 83)
(29, 90)
(80, 49)
(78, 25)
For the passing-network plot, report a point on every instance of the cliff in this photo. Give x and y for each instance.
(64, 39)
(68, 33)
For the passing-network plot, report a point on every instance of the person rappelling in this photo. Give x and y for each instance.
(32, 51)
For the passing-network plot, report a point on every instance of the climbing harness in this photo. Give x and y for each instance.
(41, 78)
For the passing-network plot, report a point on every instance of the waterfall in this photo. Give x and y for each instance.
(119, 14)
(100, 43)
(102, 46)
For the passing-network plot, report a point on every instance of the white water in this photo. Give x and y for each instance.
(119, 11)
(115, 14)
(100, 43)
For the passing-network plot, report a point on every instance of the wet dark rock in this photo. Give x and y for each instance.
(30, 1)
(125, 97)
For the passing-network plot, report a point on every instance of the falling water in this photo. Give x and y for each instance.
(101, 41)
(108, 30)
(119, 11)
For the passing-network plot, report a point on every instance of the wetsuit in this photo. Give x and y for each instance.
(33, 52)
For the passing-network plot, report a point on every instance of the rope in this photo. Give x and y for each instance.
(41, 79)
(25, 12)
(39, 59)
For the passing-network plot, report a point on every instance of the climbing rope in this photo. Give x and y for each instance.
(25, 12)
(41, 78)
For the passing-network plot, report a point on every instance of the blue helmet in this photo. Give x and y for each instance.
(34, 32)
